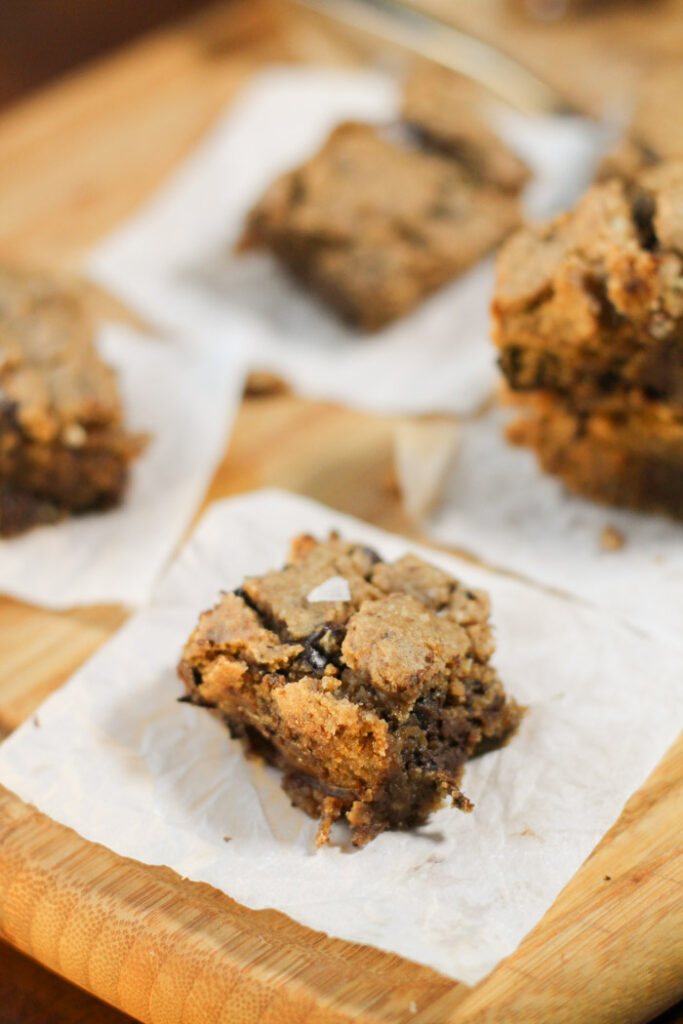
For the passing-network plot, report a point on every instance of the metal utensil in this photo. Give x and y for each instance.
(442, 43)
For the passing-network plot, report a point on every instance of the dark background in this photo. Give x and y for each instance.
(40, 39)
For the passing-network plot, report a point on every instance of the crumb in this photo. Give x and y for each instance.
(264, 384)
(611, 539)
(227, 839)
(526, 831)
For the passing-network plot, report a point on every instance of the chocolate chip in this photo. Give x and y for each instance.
(609, 381)
(371, 554)
(609, 315)
(196, 700)
(267, 619)
(297, 190)
(242, 594)
(643, 212)
(315, 658)
(196, 676)
(8, 413)
(313, 655)
(511, 362)
(321, 647)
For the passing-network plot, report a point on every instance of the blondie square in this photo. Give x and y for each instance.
(376, 221)
(368, 683)
(63, 446)
(588, 318)
(590, 305)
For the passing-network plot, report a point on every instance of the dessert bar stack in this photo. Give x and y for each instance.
(382, 216)
(588, 318)
(63, 445)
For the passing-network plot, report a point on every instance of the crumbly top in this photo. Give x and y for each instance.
(232, 627)
(405, 628)
(401, 644)
(368, 186)
(281, 596)
(51, 377)
(446, 108)
(618, 255)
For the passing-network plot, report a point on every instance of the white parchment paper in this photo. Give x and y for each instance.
(114, 756)
(183, 394)
(500, 506)
(174, 262)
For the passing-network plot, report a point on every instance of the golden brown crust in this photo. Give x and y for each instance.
(371, 705)
(633, 460)
(591, 304)
(588, 317)
(62, 443)
(401, 645)
(233, 628)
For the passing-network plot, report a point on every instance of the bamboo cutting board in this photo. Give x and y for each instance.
(73, 162)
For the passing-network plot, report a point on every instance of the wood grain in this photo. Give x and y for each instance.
(162, 948)
(31, 994)
(73, 162)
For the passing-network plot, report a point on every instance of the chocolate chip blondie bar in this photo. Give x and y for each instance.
(63, 447)
(381, 217)
(591, 303)
(368, 683)
(588, 318)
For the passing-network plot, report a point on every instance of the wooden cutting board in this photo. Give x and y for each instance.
(73, 162)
